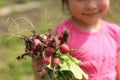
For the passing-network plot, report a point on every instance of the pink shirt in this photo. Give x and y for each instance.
(97, 51)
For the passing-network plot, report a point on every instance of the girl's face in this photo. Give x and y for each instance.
(88, 11)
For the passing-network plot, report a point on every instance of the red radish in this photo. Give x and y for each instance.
(36, 44)
(72, 78)
(30, 37)
(64, 48)
(49, 50)
(61, 36)
(57, 42)
(44, 38)
(56, 62)
(45, 60)
(30, 48)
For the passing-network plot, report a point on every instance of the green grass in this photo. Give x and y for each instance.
(2, 3)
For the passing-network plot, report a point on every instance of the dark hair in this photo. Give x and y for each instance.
(64, 2)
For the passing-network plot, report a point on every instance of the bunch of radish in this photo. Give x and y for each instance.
(45, 45)
(52, 50)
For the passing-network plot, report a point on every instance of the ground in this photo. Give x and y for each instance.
(35, 15)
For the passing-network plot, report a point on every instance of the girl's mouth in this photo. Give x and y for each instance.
(92, 13)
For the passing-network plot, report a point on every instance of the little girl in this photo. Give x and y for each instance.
(97, 41)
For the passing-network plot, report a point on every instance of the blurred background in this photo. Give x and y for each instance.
(19, 17)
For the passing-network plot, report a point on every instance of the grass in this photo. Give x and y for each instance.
(2, 3)
(10, 68)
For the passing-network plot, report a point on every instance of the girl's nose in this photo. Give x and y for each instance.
(91, 5)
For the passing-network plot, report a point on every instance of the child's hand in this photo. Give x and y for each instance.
(37, 68)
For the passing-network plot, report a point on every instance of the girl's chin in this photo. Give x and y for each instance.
(91, 22)
(87, 21)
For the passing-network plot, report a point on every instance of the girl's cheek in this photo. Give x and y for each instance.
(104, 6)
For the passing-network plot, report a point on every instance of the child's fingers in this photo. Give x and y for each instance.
(39, 75)
(36, 64)
(42, 73)
(35, 58)
(36, 67)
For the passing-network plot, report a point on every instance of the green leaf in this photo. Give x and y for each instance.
(64, 66)
(62, 76)
(74, 60)
(50, 65)
(70, 58)
(58, 53)
(47, 77)
(77, 71)
(68, 64)
(65, 57)
(68, 74)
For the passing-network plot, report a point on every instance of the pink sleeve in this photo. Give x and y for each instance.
(116, 31)
(118, 39)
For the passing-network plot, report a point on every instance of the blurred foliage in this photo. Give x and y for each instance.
(23, 1)
(2, 3)
(5, 2)
(18, 69)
